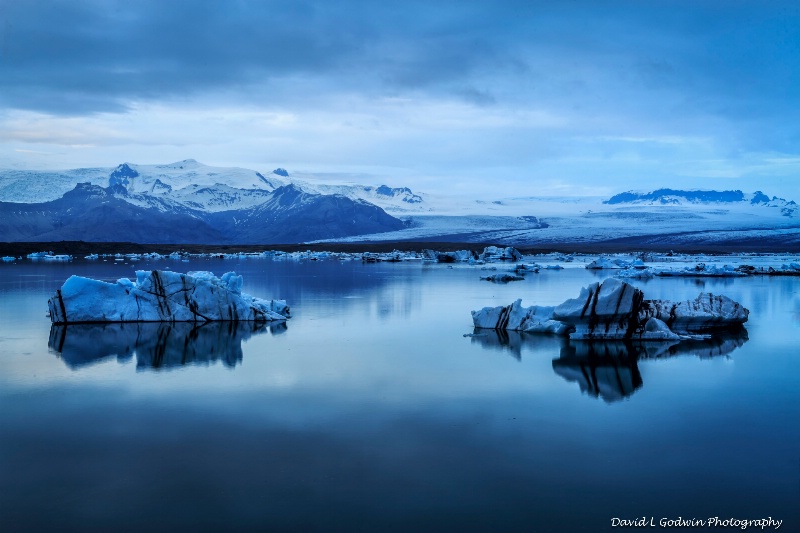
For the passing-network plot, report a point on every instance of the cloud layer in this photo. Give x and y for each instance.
(629, 93)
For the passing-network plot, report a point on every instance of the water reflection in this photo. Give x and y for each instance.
(511, 342)
(606, 369)
(156, 345)
(609, 370)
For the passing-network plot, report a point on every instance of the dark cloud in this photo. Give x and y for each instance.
(654, 62)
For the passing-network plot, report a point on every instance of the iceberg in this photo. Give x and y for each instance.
(503, 278)
(514, 317)
(704, 270)
(161, 296)
(605, 263)
(706, 313)
(614, 309)
(494, 253)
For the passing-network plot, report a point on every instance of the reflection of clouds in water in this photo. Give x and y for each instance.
(605, 369)
(156, 345)
(333, 286)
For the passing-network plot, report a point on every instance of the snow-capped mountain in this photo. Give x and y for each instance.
(395, 200)
(182, 202)
(190, 202)
(681, 197)
(30, 186)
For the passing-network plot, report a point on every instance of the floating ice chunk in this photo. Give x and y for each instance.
(8, 258)
(616, 310)
(606, 310)
(503, 278)
(655, 329)
(703, 270)
(493, 253)
(706, 313)
(161, 296)
(603, 263)
(635, 273)
(534, 319)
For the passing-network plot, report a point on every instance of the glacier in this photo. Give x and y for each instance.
(161, 296)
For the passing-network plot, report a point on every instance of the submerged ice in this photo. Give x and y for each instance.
(161, 296)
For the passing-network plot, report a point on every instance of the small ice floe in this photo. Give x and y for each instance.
(91, 257)
(614, 309)
(459, 256)
(635, 273)
(38, 255)
(554, 267)
(161, 296)
(602, 263)
(395, 256)
(8, 258)
(522, 268)
(792, 269)
(57, 257)
(494, 253)
(704, 270)
(606, 263)
(503, 278)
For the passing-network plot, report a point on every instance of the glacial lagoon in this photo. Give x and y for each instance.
(371, 410)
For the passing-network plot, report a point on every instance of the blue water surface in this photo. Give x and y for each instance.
(370, 410)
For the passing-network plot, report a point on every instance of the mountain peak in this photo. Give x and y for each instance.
(676, 196)
(122, 176)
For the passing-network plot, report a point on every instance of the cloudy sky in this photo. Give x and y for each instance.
(524, 97)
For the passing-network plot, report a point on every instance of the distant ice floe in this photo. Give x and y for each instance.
(503, 278)
(614, 310)
(161, 296)
(704, 270)
(605, 263)
(49, 256)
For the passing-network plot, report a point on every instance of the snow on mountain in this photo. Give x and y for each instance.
(249, 205)
(527, 221)
(93, 213)
(177, 180)
(395, 200)
(680, 197)
(157, 179)
(30, 186)
(292, 214)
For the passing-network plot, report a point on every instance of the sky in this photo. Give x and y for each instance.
(513, 97)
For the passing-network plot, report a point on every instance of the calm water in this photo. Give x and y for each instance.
(370, 410)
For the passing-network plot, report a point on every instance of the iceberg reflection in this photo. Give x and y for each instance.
(511, 341)
(156, 345)
(610, 370)
(605, 369)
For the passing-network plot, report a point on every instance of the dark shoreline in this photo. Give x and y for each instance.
(82, 248)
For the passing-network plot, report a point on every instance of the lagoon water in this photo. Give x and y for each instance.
(370, 410)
